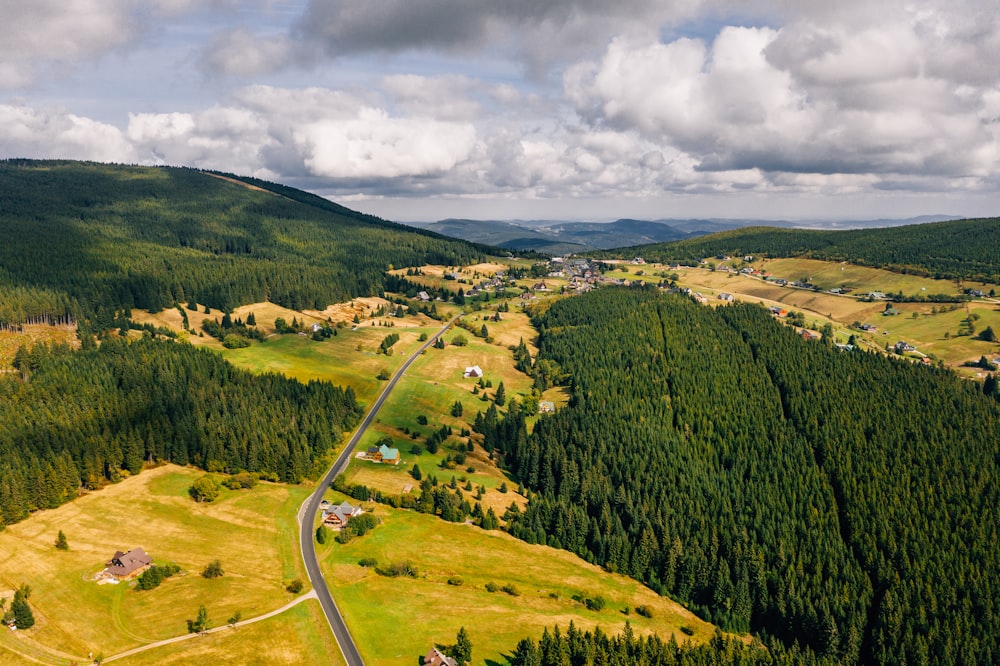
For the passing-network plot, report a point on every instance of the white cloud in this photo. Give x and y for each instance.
(376, 146)
(240, 53)
(53, 134)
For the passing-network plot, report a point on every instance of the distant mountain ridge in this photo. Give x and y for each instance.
(569, 236)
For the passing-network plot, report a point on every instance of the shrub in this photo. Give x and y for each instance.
(644, 611)
(362, 525)
(687, 631)
(295, 586)
(154, 575)
(61, 542)
(510, 589)
(368, 562)
(491, 587)
(595, 603)
(382, 375)
(321, 534)
(457, 581)
(205, 489)
(397, 569)
(213, 570)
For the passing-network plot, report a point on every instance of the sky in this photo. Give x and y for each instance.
(531, 109)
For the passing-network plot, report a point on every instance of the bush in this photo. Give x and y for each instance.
(242, 480)
(205, 489)
(154, 575)
(362, 525)
(213, 570)
(457, 581)
(233, 341)
(368, 562)
(382, 375)
(510, 589)
(395, 570)
(295, 586)
(491, 587)
(595, 603)
(644, 611)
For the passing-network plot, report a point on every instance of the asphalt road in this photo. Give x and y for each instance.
(311, 507)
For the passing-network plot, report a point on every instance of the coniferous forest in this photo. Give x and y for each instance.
(965, 249)
(85, 418)
(87, 240)
(844, 502)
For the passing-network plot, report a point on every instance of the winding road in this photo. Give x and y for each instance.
(311, 506)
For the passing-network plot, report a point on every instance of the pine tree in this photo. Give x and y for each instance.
(23, 617)
(462, 650)
(61, 543)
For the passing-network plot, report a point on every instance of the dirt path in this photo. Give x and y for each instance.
(311, 594)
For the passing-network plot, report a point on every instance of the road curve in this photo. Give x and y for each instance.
(311, 506)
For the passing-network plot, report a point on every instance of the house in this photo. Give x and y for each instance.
(546, 406)
(337, 517)
(526, 296)
(437, 658)
(315, 328)
(809, 335)
(725, 297)
(903, 347)
(388, 455)
(870, 328)
(423, 296)
(126, 566)
(540, 286)
(876, 295)
(473, 371)
(890, 312)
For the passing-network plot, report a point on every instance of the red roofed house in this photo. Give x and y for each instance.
(126, 566)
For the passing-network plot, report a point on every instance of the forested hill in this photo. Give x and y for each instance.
(843, 501)
(89, 417)
(968, 249)
(86, 239)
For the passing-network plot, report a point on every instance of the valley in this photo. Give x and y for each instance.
(634, 448)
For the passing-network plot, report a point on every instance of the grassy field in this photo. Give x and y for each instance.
(30, 336)
(429, 389)
(253, 533)
(933, 330)
(430, 610)
(297, 636)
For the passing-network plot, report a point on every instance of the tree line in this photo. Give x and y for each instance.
(963, 249)
(841, 501)
(72, 420)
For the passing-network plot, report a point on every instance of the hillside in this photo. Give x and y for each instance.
(967, 249)
(86, 239)
(843, 501)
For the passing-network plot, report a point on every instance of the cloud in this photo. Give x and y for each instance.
(55, 134)
(240, 53)
(801, 99)
(541, 32)
(58, 33)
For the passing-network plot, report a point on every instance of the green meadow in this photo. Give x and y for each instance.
(396, 620)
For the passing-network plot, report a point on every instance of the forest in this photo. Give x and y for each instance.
(87, 240)
(962, 249)
(595, 648)
(72, 419)
(844, 502)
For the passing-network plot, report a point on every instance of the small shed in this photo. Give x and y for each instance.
(473, 371)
